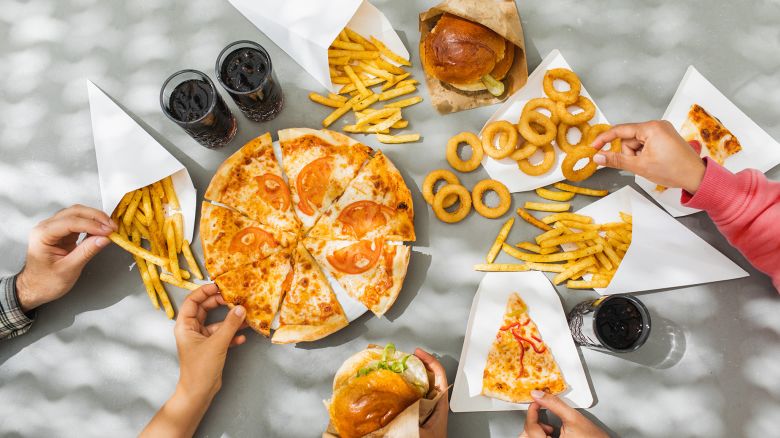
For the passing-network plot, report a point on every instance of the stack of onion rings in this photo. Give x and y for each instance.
(504, 198)
(476, 152)
(463, 208)
(541, 168)
(431, 180)
(571, 160)
(506, 141)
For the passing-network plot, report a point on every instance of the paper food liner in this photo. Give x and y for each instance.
(485, 319)
(759, 150)
(502, 17)
(129, 158)
(663, 252)
(506, 170)
(306, 28)
(407, 423)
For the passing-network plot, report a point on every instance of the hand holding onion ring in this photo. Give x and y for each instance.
(567, 167)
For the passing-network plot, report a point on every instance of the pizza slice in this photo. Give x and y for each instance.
(310, 310)
(230, 239)
(371, 272)
(259, 287)
(376, 204)
(519, 361)
(717, 141)
(319, 165)
(251, 181)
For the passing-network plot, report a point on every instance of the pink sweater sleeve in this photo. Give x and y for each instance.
(746, 209)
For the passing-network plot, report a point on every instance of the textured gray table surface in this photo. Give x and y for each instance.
(100, 361)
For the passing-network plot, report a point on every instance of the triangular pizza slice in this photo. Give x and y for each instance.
(251, 181)
(259, 287)
(376, 204)
(310, 310)
(319, 165)
(519, 361)
(230, 239)
(701, 127)
(371, 272)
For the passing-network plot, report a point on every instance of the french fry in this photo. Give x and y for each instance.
(344, 45)
(178, 229)
(501, 267)
(144, 271)
(129, 214)
(567, 216)
(357, 38)
(146, 202)
(402, 124)
(389, 54)
(161, 293)
(390, 94)
(555, 232)
(368, 83)
(365, 103)
(387, 123)
(568, 238)
(546, 267)
(142, 229)
(406, 82)
(556, 257)
(627, 218)
(403, 103)
(500, 239)
(140, 216)
(376, 116)
(532, 220)
(613, 234)
(573, 269)
(541, 206)
(341, 80)
(608, 251)
(528, 246)
(580, 225)
(168, 278)
(191, 263)
(170, 193)
(173, 256)
(553, 195)
(137, 250)
(397, 139)
(322, 100)
(390, 84)
(389, 67)
(593, 284)
(338, 112)
(343, 36)
(365, 54)
(159, 213)
(122, 206)
(357, 81)
(378, 72)
(580, 190)
(601, 257)
(362, 129)
(337, 97)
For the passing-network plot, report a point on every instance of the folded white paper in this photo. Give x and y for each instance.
(305, 28)
(486, 317)
(663, 252)
(759, 150)
(129, 158)
(506, 170)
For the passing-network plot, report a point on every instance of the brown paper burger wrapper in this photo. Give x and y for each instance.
(502, 17)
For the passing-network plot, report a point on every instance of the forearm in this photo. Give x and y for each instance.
(13, 320)
(179, 416)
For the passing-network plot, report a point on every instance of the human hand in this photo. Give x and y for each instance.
(655, 151)
(54, 260)
(575, 425)
(436, 425)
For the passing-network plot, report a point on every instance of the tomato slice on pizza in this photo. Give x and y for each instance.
(230, 239)
(376, 204)
(310, 310)
(259, 287)
(702, 128)
(370, 271)
(319, 164)
(519, 360)
(251, 182)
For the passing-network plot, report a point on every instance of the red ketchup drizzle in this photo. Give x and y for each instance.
(538, 349)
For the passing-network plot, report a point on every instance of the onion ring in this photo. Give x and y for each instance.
(546, 164)
(567, 167)
(588, 111)
(476, 152)
(504, 198)
(524, 151)
(615, 146)
(567, 97)
(542, 102)
(506, 142)
(463, 209)
(431, 180)
(531, 135)
(563, 131)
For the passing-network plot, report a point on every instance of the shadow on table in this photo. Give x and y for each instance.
(664, 348)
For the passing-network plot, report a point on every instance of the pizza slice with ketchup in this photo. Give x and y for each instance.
(519, 360)
(310, 309)
(251, 181)
(230, 239)
(370, 271)
(319, 165)
(259, 287)
(376, 204)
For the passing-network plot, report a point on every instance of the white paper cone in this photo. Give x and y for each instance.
(506, 170)
(129, 158)
(759, 150)
(305, 28)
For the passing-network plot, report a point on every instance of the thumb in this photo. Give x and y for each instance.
(554, 405)
(617, 160)
(85, 251)
(233, 321)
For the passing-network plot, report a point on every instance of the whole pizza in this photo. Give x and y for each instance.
(270, 232)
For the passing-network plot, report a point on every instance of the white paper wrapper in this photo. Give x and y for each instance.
(506, 170)
(759, 150)
(663, 252)
(487, 315)
(129, 158)
(305, 28)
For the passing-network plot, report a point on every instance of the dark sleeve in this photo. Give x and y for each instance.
(13, 321)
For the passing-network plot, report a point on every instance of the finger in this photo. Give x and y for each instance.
(618, 160)
(84, 252)
(87, 213)
(212, 328)
(625, 132)
(554, 405)
(232, 323)
(439, 373)
(191, 305)
(547, 428)
(632, 144)
(237, 340)
(532, 428)
(54, 230)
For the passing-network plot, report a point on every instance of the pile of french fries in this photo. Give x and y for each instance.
(359, 64)
(142, 220)
(571, 245)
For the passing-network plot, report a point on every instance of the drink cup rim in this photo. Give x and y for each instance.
(206, 78)
(227, 50)
(645, 323)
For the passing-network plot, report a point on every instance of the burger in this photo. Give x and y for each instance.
(372, 387)
(467, 55)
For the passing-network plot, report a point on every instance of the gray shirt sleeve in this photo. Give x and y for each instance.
(13, 321)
